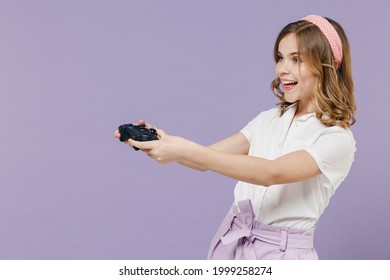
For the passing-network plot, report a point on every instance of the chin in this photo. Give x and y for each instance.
(290, 99)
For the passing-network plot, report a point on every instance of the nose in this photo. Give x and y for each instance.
(282, 68)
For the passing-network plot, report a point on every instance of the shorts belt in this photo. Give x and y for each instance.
(243, 225)
(283, 239)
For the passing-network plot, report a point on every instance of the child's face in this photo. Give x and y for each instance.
(297, 79)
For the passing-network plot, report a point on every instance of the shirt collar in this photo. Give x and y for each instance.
(291, 112)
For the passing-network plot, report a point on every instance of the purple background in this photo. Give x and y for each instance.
(72, 71)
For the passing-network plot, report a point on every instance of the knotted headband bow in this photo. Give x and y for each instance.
(331, 35)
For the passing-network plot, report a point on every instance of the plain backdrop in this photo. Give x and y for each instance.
(72, 71)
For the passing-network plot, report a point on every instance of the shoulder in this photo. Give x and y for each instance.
(269, 114)
(333, 151)
(334, 140)
(338, 133)
(334, 145)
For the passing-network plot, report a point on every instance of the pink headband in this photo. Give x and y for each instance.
(330, 33)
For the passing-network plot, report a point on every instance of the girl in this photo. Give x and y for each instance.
(288, 160)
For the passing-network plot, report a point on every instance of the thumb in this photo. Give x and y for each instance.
(140, 145)
(161, 132)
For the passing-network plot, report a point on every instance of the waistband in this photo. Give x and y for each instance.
(243, 224)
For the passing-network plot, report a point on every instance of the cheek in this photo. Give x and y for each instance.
(312, 83)
(309, 80)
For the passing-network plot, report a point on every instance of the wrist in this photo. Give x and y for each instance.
(191, 152)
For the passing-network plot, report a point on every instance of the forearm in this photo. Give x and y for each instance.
(235, 144)
(191, 165)
(241, 167)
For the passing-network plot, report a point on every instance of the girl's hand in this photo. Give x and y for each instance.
(165, 150)
(141, 122)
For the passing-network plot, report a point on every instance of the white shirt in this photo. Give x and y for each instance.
(297, 204)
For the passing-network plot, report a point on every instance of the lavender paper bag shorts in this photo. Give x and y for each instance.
(241, 237)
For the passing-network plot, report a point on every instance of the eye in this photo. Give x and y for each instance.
(297, 59)
(279, 58)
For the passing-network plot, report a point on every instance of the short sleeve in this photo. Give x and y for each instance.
(260, 121)
(249, 129)
(334, 152)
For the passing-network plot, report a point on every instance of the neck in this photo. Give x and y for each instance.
(303, 109)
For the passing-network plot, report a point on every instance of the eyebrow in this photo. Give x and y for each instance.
(290, 54)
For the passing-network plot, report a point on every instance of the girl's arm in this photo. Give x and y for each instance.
(235, 144)
(293, 167)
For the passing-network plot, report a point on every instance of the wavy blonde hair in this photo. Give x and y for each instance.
(333, 95)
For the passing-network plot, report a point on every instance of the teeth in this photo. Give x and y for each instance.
(289, 82)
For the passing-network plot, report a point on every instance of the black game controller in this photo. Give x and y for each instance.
(137, 133)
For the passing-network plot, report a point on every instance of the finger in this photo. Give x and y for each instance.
(117, 134)
(148, 145)
(146, 124)
(141, 122)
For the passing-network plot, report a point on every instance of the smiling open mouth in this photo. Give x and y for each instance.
(289, 84)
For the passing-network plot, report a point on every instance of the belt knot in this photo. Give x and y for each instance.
(244, 223)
